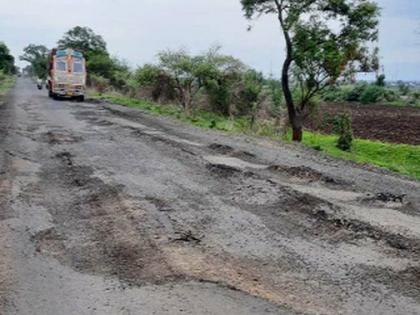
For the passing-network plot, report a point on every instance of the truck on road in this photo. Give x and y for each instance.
(66, 74)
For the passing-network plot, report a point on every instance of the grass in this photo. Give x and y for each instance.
(401, 158)
(6, 82)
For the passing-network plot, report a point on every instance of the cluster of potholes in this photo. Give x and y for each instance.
(101, 230)
(309, 217)
(260, 194)
(117, 241)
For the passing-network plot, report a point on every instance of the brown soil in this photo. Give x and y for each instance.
(376, 122)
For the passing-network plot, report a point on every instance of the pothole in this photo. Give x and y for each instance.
(232, 162)
(60, 137)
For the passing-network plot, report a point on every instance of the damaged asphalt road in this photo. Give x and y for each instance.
(108, 210)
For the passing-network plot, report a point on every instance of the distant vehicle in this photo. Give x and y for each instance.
(39, 83)
(66, 74)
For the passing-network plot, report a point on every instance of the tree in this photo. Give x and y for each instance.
(154, 83)
(84, 40)
(7, 61)
(324, 40)
(251, 92)
(37, 56)
(186, 72)
(380, 80)
(222, 76)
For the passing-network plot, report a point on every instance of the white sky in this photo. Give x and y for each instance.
(137, 29)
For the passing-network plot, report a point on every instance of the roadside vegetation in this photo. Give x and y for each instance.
(397, 94)
(401, 158)
(7, 69)
(214, 90)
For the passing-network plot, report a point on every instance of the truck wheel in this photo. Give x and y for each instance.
(81, 98)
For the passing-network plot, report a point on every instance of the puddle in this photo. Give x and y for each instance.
(233, 162)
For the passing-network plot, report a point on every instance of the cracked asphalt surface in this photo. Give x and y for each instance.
(109, 210)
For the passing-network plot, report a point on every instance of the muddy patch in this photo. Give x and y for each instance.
(57, 137)
(223, 171)
(233, 162)
(307, 174)
(223, 149)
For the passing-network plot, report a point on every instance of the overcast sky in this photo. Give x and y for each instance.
(137, 29)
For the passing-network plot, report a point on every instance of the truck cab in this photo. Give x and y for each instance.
(66, 74)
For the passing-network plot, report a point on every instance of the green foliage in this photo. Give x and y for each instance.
(6, 82)
(100, 63)
(391, 95)
(333, 94)
(372, 94)
(403, 88)
(380, 80)
(276, 95)
(343, 128)
(186, 72)
(37, 56)
(401, 158)
(221, 77)
(355, 94)
(7, 61)
(83, 39)
(147, 75)
(155, 82)
(325, 39)
(101, 66)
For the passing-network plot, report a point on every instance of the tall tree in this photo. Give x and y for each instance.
(7, 61)
(84, 40)
(324, 40)
(37, 56)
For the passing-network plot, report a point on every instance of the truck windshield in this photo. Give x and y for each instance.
(60, 65)
(78, 67)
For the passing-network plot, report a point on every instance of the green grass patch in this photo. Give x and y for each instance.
(6, 83)
(401, 158)
(404, 159)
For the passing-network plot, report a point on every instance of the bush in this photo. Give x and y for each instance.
(380, 80)
(333, 94)
(343, 127)
(403, 88)
(416, 95)
(390, 95)
(372, 94)
(99, 83)
(355, 94)
(153, 83)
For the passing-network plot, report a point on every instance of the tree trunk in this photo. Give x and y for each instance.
(297, 127)
(294, 117)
